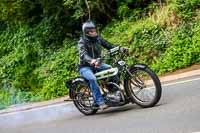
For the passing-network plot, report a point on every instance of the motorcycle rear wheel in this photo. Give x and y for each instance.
(83, 99)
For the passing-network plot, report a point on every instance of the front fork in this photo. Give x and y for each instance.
(137, 81)
(130, 75)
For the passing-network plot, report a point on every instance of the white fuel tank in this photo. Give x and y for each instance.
(106, 73)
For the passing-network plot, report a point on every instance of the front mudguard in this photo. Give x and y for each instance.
(134, 68)
(140, 66)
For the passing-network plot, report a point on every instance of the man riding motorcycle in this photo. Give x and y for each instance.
(90, 46)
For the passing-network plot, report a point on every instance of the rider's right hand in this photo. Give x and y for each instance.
(95, 62)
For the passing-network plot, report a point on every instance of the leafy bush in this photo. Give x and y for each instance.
(25, 60)
(185, 8)
(61, 65)
(49, 32)
(5, 99)
(183, 51)
(145, 39)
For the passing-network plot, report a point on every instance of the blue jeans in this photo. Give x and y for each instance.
(87, 73)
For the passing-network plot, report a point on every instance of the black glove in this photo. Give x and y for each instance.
(124, 51)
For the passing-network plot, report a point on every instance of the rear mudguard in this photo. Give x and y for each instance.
(71, 84)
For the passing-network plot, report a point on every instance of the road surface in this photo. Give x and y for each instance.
(177, 112)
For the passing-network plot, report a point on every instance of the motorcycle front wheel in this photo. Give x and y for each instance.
(143, 86)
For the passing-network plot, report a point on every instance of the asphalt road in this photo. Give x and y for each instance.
(177, 112)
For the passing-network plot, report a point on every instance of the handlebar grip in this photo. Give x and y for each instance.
(114, 51)
(99, 60)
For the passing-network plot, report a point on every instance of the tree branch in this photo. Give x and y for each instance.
(88, 7)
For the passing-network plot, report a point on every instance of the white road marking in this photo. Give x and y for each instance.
(39, 108)
(180, 82)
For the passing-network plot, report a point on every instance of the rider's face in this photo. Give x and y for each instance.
(92, 32)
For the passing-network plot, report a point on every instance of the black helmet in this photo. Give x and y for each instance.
(87, 26)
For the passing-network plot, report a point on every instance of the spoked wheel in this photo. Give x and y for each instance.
(83, 99)
(143, 86)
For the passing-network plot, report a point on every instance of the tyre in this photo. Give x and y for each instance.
(143, 86)
(83, 99)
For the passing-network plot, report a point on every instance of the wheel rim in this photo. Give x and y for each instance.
(142, 86)
(84, 99)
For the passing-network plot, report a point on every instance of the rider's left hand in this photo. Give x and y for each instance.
(124, 50)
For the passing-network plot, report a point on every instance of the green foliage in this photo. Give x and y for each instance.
(18, 58)
(164, 49)
(145, 39)
(183, 51)
(185, 8)
(61, 65)
(135, 10)
(5, 99)
(123, 11)
(28, 70)
(49, 33)
(29, 10)
(68, 13)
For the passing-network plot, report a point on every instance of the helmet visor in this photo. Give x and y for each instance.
(91, 32)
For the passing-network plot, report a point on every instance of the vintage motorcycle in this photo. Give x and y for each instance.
(138, 84)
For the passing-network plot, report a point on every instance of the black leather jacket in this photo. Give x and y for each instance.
(89, 50)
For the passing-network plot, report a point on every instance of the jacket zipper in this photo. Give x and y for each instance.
(92, 51)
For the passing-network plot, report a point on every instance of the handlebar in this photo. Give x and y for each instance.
(118, 50)
(113, 52)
